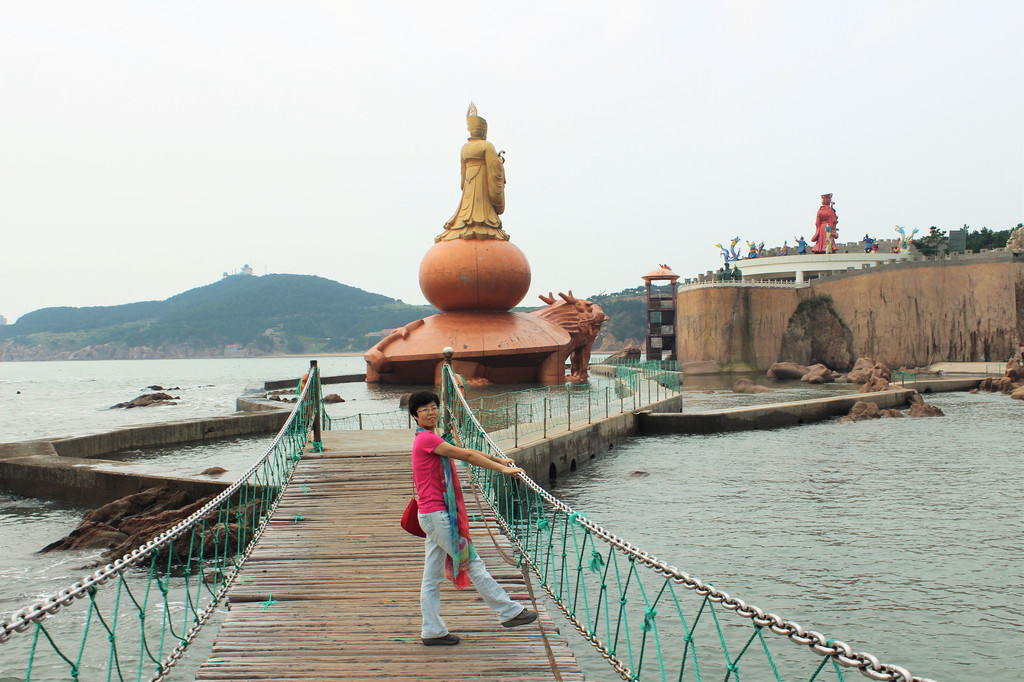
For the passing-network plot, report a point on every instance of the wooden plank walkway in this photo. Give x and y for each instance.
(345, 585)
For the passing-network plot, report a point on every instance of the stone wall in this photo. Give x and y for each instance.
(733, 324)
(913, 314)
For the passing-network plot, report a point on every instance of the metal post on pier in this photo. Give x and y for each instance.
(607, 402)
(516, 431)
(568, 408)
(590, 409)
(545, 416)
(314, 371)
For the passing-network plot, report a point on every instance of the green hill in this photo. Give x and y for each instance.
(240, 314)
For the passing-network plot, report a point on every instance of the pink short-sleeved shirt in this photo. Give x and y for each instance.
(426, 472)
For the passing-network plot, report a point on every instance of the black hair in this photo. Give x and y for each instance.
(422, 399)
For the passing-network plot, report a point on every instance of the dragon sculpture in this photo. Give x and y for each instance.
(582, 320)
(904, 245)
(730, 254)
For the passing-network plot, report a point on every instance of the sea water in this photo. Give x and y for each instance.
(901, 537)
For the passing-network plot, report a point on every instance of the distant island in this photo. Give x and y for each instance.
(240, 315)
(248, 316)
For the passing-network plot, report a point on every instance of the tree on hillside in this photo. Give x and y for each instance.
(985, 238)
(934, 244)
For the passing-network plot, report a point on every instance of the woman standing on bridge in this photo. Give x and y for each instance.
(442, 515)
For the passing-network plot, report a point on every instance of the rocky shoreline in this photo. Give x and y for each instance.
(15, 352)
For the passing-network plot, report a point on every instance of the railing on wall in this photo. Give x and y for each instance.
(536, 411)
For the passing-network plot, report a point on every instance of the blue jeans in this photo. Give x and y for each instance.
(438, 545)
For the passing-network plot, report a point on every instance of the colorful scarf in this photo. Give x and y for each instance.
(456, 568)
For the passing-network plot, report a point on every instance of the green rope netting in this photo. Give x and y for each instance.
(646, 624)
(144, 613)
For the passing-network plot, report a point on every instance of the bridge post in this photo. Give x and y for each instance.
(446, 417)
(313, 369)
(607, 402)
(568, 407)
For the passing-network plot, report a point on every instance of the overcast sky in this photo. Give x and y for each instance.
(147, 147)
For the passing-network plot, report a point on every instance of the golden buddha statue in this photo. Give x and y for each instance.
(483, 187)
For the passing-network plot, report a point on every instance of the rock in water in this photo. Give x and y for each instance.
(874, 384)
(742, 385)
(147, 399)
(859, 373)
(925, 410)
(818, 374)
(862, 410)
(745, 385)
(333, 398)
(919, 408)
(787, 370)
(125, 524)
(89, 536)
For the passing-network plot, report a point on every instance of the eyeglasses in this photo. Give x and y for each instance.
(432, 408)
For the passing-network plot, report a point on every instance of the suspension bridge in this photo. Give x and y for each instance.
(322, 582)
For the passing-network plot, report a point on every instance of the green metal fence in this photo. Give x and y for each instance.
(535, 411)
(142, 611)
(648, 619)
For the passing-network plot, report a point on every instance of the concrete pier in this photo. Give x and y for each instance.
(563, 449)
(767, 416)
(72, 469)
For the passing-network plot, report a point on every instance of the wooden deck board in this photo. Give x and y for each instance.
(344, 579)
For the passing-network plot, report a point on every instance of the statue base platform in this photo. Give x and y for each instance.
(501, 347)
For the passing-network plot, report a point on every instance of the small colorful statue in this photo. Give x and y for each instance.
(784, 251)
(870, 245)
(904, 241)
(801, 245)
(752, 250)
(730, 254)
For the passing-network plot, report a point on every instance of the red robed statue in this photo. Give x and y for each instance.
(825, 226)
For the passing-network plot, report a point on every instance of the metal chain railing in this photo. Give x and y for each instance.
(597, 580)
(167, 589)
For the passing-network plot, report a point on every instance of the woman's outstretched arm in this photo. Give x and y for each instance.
(477, 458)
